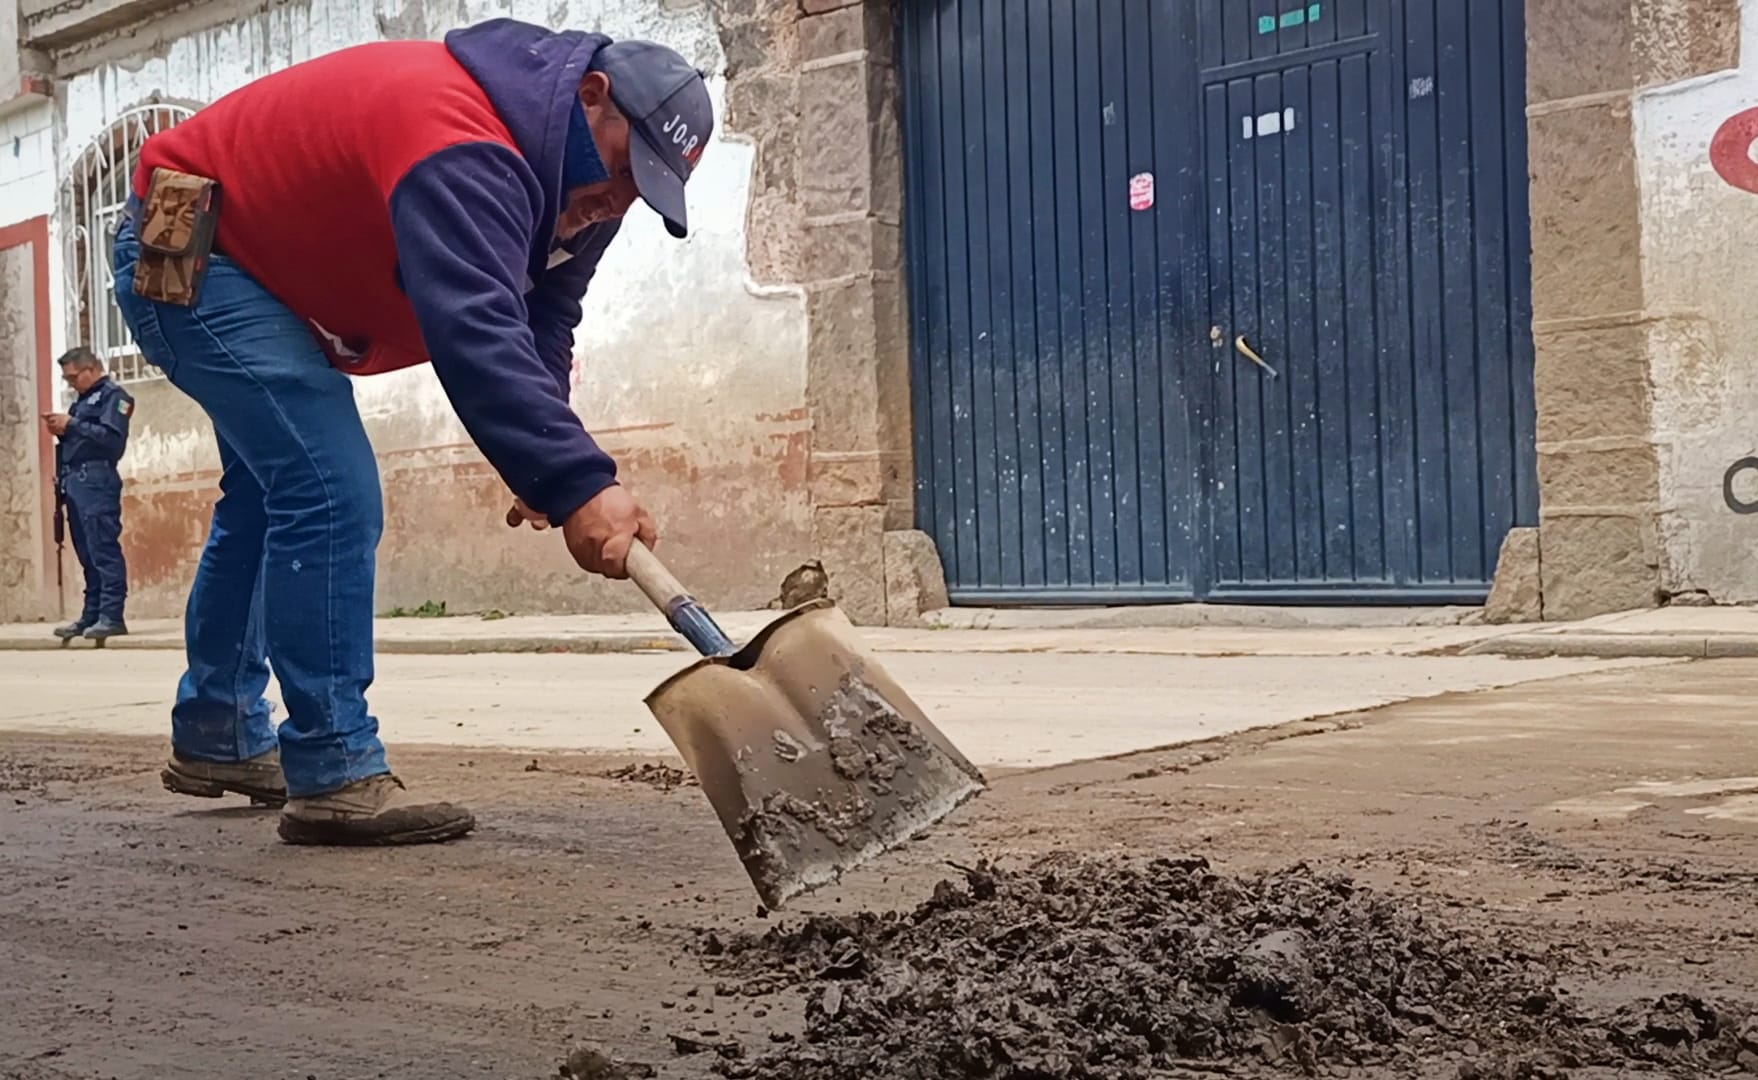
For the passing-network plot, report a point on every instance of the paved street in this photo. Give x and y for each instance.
(1300, 453)
(1600, 815)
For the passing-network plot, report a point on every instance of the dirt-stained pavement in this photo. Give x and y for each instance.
(1605, 824)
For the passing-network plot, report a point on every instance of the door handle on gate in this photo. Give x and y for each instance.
(1251, 354)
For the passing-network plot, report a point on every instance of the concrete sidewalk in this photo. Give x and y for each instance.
(1191, 630)
(1183, 630)
(1005, 710)
(446, 635)
(1692, 632)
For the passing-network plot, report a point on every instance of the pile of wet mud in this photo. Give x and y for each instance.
(1089, 968)
(653, 774)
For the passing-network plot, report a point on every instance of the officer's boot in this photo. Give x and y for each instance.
(76, 628)
(105, 629)
(259, 779)
(376, 811)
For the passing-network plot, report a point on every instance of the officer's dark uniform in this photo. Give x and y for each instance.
(96, 436)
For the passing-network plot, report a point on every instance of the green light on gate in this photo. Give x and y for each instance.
(1269, 24)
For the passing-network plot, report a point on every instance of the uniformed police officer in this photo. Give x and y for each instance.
(93, 434)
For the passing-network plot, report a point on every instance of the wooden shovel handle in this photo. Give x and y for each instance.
(667, 593)
(646, 571)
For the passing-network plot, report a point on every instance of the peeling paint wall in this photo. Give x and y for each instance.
(690, 373)
(1698, 183)
(27, 163)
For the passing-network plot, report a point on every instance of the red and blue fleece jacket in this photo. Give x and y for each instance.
(402, 199)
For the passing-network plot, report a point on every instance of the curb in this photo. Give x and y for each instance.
(594, 645)
(1584, 644)
(1620, 646)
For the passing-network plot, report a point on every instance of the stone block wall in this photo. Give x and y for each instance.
(1600, 544)
(814, 84)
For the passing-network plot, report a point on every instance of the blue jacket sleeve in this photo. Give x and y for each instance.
(107, 429)
(464, 220)
(555, 303)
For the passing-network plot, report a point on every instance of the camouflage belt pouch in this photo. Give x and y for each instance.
(177, 223)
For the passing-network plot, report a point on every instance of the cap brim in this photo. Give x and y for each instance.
(660, 188)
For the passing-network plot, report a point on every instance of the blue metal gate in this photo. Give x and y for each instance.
(1223, 299)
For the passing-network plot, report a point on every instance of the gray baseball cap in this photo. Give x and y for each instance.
(670, 121)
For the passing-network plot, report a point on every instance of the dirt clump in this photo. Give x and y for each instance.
(21, 774)
(653, 774)
(1082, 968)
(803, 584)
(589, 1062)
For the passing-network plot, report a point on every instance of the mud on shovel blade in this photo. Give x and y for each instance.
(813, 757)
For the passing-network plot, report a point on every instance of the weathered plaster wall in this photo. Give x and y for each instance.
(1699, 207)
(27, 163)
(689, 371)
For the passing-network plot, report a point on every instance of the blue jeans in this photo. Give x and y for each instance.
(93, 491)
(287, 573)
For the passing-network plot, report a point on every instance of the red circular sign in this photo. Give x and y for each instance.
(1731, 150)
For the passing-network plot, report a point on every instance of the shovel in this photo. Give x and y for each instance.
(814, 759)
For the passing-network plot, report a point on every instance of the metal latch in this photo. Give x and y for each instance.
(1249, 353)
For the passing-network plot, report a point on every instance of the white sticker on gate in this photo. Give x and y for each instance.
(1270, 123)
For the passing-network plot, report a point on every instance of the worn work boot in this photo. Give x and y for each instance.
(71, 630)
(374, 811)
(259, 778)
(105, 629)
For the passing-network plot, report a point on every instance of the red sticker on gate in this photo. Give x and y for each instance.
(1141, 191)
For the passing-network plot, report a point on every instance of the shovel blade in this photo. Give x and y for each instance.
(814, 759)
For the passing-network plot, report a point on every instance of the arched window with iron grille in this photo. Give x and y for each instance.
(92, 198)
